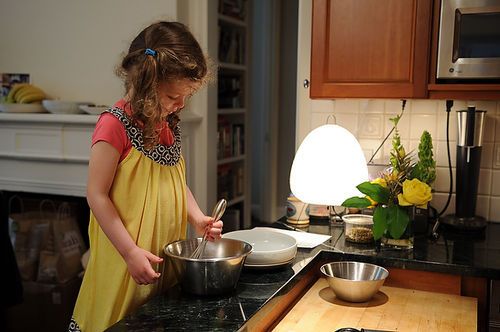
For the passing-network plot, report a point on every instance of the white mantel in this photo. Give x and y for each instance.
(49, 153)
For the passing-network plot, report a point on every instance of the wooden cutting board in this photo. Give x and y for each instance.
(392, 309)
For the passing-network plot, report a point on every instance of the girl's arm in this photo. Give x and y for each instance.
(104, 160)
(200, 221)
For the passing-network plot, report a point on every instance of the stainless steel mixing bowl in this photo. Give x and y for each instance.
(354, 281)
(217, 272)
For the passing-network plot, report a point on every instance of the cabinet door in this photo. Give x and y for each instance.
(370, 48)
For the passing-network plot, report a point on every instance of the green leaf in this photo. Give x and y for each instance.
(379, 222)
(398, 221)
(357, 202)
(378, 193)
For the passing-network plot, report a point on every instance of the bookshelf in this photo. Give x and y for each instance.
(233, 174)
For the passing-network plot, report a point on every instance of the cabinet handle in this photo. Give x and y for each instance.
(306, 83)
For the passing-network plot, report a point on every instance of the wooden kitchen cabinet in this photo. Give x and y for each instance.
(370, 48)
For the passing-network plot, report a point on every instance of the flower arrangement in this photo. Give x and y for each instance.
(404, 184)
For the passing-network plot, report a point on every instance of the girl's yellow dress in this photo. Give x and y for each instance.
(149, 193)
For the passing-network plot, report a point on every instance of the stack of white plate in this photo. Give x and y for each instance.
(270, 249)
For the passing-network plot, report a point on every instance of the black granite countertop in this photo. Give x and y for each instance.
(475, 255)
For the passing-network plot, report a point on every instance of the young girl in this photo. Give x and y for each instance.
(137, 187)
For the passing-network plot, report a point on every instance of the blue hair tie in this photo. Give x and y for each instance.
(150, 52)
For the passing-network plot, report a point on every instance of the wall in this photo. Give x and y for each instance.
(71, 48)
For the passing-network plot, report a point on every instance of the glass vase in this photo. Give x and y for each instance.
(405, 242)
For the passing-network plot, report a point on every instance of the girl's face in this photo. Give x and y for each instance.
(174, 95)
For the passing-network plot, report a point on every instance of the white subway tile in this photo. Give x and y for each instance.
(369, 147)
(349, 121)
(484, 185)
(322, 106)
(496, 156)
(483, 206)
(318, 119)
(393, 106)
(442, 183)
(441, 126)
(422, 106)
(439, 202)
(371, 126)
(487, 155)
(371, 106)
(489, 106)
(441, 153)
(494, 209)
(350, 106)
(495, 183)
(489, 128)
(421, 122)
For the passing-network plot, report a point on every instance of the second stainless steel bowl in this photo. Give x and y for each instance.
(216, 273)
(354, 281)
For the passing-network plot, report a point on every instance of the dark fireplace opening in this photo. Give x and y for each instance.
(43, 238)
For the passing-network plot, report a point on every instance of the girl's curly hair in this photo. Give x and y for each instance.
(178, 56)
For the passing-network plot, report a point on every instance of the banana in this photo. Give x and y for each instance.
(15, 88)
(25, 91)
(32, 97)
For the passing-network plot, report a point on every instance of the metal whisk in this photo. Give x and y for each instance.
(217, 213)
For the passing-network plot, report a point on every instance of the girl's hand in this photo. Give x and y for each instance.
(214, 228)
(139, 266)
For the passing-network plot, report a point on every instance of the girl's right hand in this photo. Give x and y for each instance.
(139, 265)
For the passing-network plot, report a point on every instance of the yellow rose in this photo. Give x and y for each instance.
(415, 192)
(380, 181)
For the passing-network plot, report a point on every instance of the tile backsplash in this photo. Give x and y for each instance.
(368, 120)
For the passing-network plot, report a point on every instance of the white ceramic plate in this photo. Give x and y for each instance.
(61, 106)
(268, 247)
(94, 110)
(268, 266)
(22, 108)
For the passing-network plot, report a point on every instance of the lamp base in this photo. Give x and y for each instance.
(475, 223)
(336, 217)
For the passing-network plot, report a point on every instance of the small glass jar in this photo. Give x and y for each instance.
(358, 228)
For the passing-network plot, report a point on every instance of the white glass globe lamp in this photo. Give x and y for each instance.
(328, 166)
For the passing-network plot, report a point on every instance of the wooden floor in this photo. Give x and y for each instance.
(392, 309)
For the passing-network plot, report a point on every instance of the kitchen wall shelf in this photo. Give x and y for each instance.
(235, 201)
(227, 111)
(232, 21)
(233, 159)
(232, 66)
(230, 160)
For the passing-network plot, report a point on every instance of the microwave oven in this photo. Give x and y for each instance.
(469, 40)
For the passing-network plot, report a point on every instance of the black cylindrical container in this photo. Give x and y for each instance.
(467, 180)
(469, 142)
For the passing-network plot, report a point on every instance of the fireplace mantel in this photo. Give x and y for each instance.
(49, 153)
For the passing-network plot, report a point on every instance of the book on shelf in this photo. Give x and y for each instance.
(229, 94)
(230, 181)
(238, 147)
(230, 139)
(224, 182)
(231, 45)
(233, 8)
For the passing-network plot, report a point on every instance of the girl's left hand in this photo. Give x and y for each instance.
(214, 228)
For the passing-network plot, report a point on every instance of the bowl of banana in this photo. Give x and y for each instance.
(23, 98)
